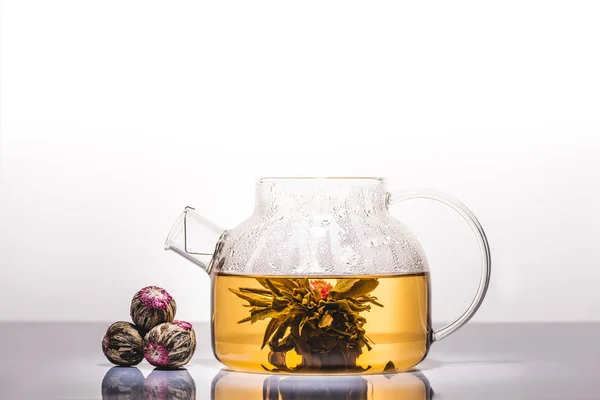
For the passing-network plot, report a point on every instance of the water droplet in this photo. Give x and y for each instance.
(325, 222)
(374, 242)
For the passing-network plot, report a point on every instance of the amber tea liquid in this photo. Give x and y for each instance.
(397, 328)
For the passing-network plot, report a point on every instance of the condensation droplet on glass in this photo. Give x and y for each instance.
(373, 242)
(325, 222)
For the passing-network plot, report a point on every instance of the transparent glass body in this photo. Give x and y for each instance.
(320, 278)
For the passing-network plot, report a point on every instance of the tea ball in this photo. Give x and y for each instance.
(123, 383)
(177, 384)
(170, 345)
(151, 306)
(123, 344)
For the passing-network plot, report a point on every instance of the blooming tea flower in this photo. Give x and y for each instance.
(322, 286)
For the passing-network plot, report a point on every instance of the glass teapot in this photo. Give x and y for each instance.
(321, 278)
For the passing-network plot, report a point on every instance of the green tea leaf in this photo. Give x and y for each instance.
(368, 299)
(302, 323)
(374, 301)
(353, 288)
(289, 284)
(253, 299)
(256, 291)
(341, 305)
(287, 294)
(271, 286)
(343, 285)
(342, 332)
(278, 283)
(281, 330)
(348, 307)
(280, 302)
(271, 328)
(268, 284)
(259, 315)
(355, 306)
(284, 345)
(325, 321)
(303, 283)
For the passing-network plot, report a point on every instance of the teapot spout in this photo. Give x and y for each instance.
(194, 238)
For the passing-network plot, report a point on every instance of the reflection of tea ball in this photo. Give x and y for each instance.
(151, 306)
(177, 384)
(123, 344)
(123, 383)
(170, 345)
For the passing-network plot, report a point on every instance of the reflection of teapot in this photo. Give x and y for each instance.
(320, 278)
(239, 386)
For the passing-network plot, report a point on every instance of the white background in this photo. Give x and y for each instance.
(117, 114)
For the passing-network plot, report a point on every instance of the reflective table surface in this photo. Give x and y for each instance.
(482, 361)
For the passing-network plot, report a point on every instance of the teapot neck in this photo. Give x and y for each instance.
(318, 196)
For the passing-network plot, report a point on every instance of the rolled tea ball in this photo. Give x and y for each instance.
(123, 344)
(123, 383)
(177, 384)
(170, 345)
(152, 306)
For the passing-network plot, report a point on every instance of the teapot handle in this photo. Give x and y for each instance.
(486, 264)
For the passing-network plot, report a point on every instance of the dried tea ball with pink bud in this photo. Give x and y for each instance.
(123, 344)
(152, 306)
(170, 345)
(177, 384)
